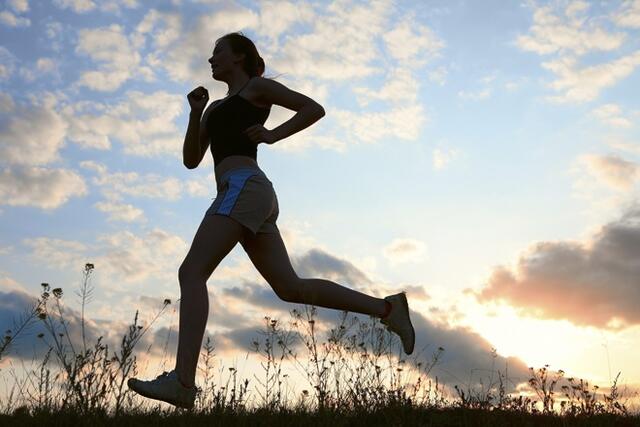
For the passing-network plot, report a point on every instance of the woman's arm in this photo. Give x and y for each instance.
(195, 147)
(307, 110)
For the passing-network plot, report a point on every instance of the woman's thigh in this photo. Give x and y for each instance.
(215, 238)
(269, 255)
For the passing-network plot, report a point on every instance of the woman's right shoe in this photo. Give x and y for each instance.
(165, 387)
(398, 321)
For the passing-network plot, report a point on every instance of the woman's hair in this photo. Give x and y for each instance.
(253, 63)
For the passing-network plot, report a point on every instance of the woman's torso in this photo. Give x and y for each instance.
(225, 120)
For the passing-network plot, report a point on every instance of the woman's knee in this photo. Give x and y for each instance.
(288, 291)
(189, 273)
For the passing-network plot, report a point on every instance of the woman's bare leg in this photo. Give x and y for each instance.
(269, 255)
(215, 238)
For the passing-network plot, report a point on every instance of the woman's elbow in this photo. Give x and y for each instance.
(190, 165)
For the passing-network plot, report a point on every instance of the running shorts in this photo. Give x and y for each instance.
(247, 195)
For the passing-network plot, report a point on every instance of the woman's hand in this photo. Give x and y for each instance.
(198, 99)
(257, 133)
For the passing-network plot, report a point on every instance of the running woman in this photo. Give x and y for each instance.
(245, 210)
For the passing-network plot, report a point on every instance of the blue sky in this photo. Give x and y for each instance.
(482, 156)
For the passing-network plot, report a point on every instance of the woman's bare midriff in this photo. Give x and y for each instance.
(233, 162)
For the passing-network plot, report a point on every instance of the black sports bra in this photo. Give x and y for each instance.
(225, 124)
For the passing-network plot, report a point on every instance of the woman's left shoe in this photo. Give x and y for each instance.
(167, 388)
(398, 321)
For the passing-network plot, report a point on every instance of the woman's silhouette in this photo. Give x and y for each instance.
(245, 210)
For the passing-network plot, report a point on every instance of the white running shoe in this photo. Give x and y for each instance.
(167, 388)
(398, 321)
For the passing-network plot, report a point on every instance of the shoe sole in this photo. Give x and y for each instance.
(144, 393)
(405, 304)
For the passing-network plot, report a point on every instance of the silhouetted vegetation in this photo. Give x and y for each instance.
(356, 375)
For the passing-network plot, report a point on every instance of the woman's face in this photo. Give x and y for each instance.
(222, 59)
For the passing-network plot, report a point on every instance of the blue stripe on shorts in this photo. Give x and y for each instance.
(237, 179)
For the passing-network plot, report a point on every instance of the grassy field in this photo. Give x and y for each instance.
(354, 376)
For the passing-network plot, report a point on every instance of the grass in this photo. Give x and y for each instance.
(356, 375)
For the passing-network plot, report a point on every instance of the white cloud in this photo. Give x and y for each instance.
(412, 43)
(7, 63)
(117, 54)
(615, 171)
(58, 253)
(438, 75)
(31, 134)
(42, 67)
(115, 185)
(584, 84)
(628, 15)
(400, 86)
(402, 250)
(399, 123)
(623, 145)
(39, 187)
(553, 33)
(78, 6)
(129, 258)
(12, 20)
(329, 52)
(611, 114)
(276, 17)
(143, 122)
(475, 95)
(121, 212)
(19, 6)
(164, 28)
(569, 34)
(7, 284)
(6, 103)
(84, 6)
(442, 157)
(123, 258)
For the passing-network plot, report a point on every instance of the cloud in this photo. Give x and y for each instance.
(78, 6)
(617, 172)
(124, 258)
(143, 122)
(116, 185)
(11, 20)
(585, 84)
(405, 250)
(590, 283)
(370, 127)
(30, 134)
(400, 87)
(60, 253)
(85, 6)
(7, 63)
(318, 263)
(129, 258)
(121, 212)
(475, 95)
(611, 114)
(551, 32)
(39, 187)
(19, 6)
(15, 304)
(628, 15)
(568, 35)
(42, 67)
(117, 55)
(412, 42)
(442, 157)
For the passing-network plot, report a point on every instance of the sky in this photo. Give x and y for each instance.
(484, 157)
